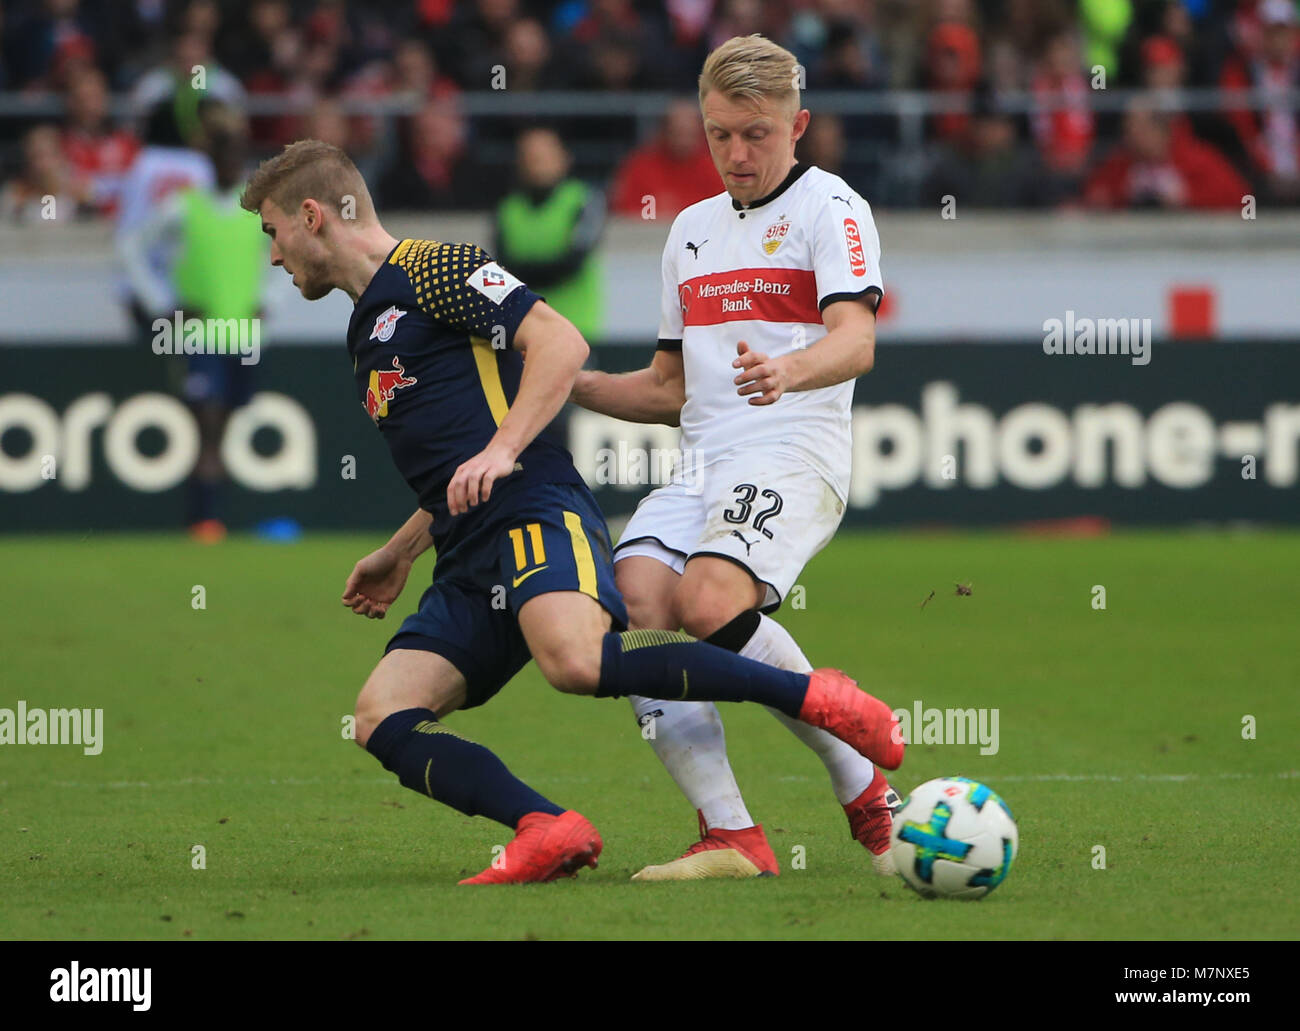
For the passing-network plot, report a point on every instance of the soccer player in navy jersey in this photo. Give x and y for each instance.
(462, 368)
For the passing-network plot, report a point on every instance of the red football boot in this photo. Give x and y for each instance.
(544, 847)
(871, 822)
(836, 704)
(718, 853)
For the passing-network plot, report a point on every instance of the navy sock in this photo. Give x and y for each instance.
(434, 760)
(675, 667)
(201, 498)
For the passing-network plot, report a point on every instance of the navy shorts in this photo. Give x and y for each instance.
(538, 539)
(218, 379)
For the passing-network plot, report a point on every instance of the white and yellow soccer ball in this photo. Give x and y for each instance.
(954, 838)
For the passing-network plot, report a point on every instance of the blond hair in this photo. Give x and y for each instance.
(308, 169)
(752, 68)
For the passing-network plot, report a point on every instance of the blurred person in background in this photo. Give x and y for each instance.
(1270, 138)
(1103, 24)
(41, 39)
(953, 66)
(190, 66)
(823, 144)
(167, 162)
(218, 271)
(1062, 120)
(1156, 168)
(45, 176)
(674, 168)
(434, 168)
(988, 166)
(98, 153)
(547, 229)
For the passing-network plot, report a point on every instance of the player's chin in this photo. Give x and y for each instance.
(314, 291)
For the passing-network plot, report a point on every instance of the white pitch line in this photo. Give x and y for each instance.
(1034, 778)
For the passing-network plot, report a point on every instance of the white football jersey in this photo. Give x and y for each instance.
(763, 274)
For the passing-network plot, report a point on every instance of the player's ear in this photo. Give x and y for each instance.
(801, 120)
(311, 215)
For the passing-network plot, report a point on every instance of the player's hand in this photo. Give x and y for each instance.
(763, 377)
(473, 481)
(375, 583)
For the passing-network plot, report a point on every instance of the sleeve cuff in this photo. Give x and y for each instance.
(871, 296)
(668, 345)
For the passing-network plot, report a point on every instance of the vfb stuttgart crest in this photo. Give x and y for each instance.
(775, 235)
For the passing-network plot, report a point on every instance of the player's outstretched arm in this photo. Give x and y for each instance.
(653, 394)
(847, 351)
(553, 351)
(378, 579)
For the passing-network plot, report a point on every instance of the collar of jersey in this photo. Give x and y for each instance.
(798, 170)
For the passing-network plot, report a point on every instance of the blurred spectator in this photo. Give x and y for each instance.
(434, 168)
(46, 188)
(190, 64)
(1154, 168)
(619, 50)
(97, 153)
(674, 168)
(1269, 61)
(326, 122)
(477, 30)
(952, 69)
(42, 39)
(167, 162)
(1062, 121)
(219, 271)
(1104, 23)
(822, 143)
(415, 76)
(988, 166)
(526, 56)
(547, 229)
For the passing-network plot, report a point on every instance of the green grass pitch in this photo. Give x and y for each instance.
(1120, 728)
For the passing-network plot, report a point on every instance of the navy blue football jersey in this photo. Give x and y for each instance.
(431, 340)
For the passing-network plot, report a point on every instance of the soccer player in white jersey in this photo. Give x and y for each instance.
(768, 316)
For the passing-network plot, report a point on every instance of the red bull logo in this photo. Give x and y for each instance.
(384, 383)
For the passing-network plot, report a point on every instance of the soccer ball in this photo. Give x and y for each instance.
(954, 838)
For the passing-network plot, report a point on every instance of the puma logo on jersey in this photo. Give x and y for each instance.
(748, 544)
(846, 200)
(694, 248)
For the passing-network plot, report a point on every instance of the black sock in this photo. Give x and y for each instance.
(434, 760)
(735, 635)
(675, 667)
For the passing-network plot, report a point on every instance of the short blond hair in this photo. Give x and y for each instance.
(752, 68)
(308, 169)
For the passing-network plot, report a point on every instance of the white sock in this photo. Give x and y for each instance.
(689, 740)
(850, 773)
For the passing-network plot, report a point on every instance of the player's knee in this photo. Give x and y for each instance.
(647, 611)
(701, 609)
(573, 671)
(369, 712)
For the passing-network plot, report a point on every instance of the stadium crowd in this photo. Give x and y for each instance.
(327, 58)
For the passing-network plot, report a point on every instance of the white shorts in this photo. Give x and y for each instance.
(768, 514)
